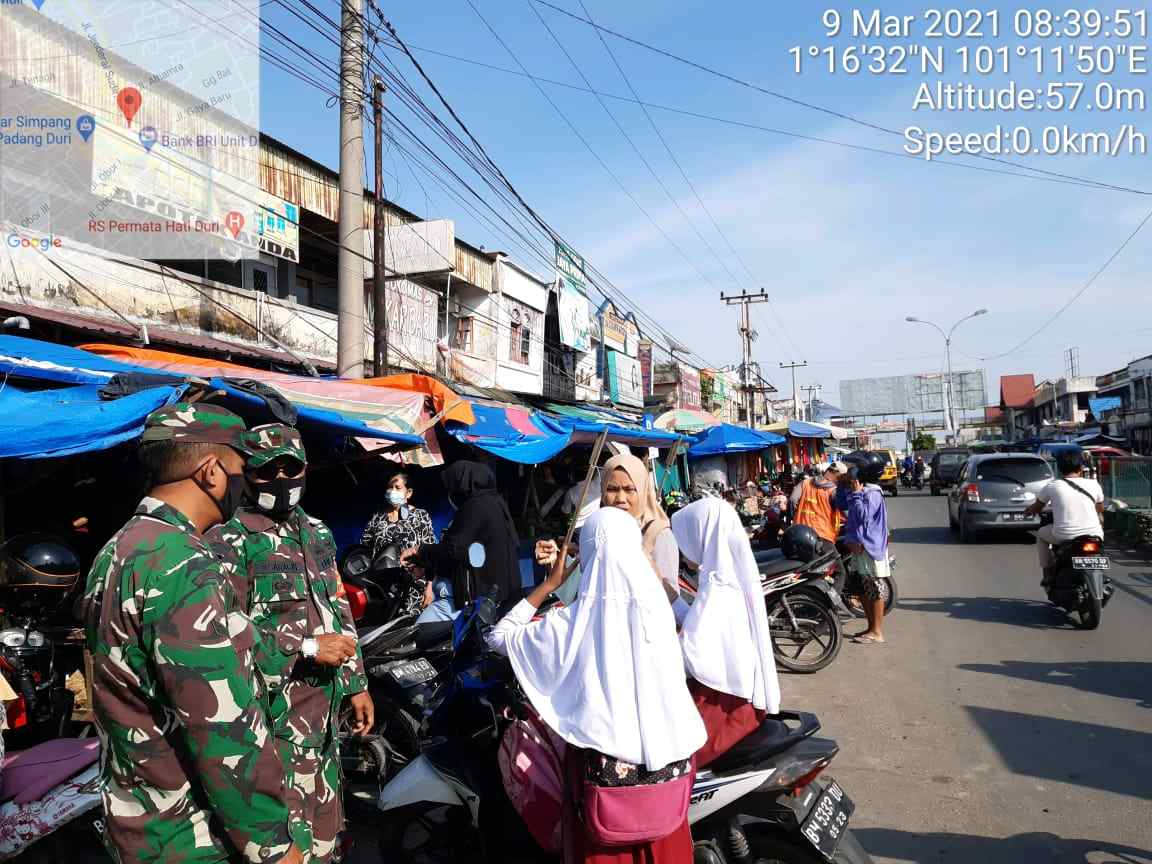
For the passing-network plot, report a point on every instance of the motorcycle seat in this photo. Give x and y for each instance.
(28, 774)
(772, 738)
(773, 563)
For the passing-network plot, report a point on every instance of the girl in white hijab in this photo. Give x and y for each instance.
(603, 674)
(727, 645)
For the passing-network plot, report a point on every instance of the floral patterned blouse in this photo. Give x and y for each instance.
(412, 528)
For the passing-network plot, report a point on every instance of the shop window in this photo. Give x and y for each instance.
(464, 333)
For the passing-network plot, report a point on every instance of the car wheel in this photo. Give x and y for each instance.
(965, 531)
(935, 490)
(952, 522)
(895, 490)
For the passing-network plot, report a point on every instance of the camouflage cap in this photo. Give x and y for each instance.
(272, 440)
(194, 423)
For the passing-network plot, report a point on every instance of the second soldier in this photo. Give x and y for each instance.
(285, 565)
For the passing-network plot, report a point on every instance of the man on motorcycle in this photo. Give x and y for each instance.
(285, 575)
(1077, 505)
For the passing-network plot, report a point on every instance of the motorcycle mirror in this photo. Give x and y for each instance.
(356, 564)
(477, 554)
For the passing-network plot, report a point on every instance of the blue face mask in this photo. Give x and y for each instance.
(396, 498)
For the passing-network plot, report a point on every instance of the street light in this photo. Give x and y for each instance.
(949, 420)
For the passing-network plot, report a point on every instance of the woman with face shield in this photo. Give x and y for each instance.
(481, 517)
(725, 637)
(598, 673)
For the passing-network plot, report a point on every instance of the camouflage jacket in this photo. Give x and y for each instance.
(287, 571)
(189, 771)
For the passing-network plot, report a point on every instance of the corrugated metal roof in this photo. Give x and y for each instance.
(1017, 391)
(159, 335)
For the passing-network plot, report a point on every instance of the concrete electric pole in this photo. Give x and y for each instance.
(379, 270)
(813, 391)
(746, 337)
(795, 395)
(350, 232)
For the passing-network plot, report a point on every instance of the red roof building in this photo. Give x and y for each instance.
(1017, 391)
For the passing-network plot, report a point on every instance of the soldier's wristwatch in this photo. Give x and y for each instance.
(309, 648)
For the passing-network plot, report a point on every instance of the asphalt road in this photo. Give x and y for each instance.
(990, 730)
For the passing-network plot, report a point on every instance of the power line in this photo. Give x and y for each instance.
(1077, 295)
(809, 105)
(800, 136)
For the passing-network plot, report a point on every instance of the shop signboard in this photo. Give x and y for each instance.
(412, 322)
(644, 352)
(278, 224)
(614, 328)
(631, 337)
(625, 384)
(569, 263)
(575, 322)
(689, 387)
(588, 383)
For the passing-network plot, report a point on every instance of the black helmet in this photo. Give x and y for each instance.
(800, 543)
(869, 465)
(37, 571)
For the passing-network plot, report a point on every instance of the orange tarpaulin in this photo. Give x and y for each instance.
(448, 404)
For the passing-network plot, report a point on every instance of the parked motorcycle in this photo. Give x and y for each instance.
(37, 574)
(762, 800)
(389, 589)
(1079, 581)
(851, 588)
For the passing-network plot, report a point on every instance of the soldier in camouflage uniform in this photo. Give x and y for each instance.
(285, 565)
(189, 770)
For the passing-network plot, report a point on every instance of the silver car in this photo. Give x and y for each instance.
(993, 490)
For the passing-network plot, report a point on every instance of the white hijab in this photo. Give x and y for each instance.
(605, 673)
(725, 635)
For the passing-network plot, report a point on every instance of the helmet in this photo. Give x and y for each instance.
(869, 466)
(800, 543)
(36, 572)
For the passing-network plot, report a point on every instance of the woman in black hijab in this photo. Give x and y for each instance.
(481, 517)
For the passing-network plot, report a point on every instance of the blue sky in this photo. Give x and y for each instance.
(848, 243)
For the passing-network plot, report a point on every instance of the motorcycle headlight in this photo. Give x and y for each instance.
(35, 639)
(13, 638)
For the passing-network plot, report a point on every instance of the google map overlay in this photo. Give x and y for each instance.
(131, 126)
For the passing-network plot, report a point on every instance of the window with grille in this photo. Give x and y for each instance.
(464, 334)
(260, 280)
(525, 345)
(514, 335)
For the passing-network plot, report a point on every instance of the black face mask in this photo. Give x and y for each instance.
(234, 491)
(277, 497)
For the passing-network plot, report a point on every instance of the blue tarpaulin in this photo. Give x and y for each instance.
(511, 433)
(1103, 403)
(584, 430)
(728, 438)
(70, 420)
(32, 361)
(800, 429)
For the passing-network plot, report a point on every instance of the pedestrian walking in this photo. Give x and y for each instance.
(725, 637)
(189, 771)
(598, 674)
(866, 535)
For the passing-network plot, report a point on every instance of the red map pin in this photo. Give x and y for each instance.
(234, 222)
(129, 101)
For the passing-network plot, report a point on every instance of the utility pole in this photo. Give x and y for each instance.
(350, 232)
(379, 277)
(795, 400)
(812, 391)
(746, 337)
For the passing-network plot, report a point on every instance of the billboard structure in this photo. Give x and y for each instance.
(912, 395)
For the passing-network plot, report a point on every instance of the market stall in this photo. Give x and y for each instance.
(730, 454)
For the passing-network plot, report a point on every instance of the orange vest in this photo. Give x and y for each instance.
(815, 510)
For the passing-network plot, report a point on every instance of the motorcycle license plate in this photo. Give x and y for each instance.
(1098, 562)
(828, 820)
(412, 672)
(1013, 517)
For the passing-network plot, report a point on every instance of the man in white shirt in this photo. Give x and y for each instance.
(1077, 504)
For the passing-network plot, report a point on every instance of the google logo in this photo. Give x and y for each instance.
(15, 241)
